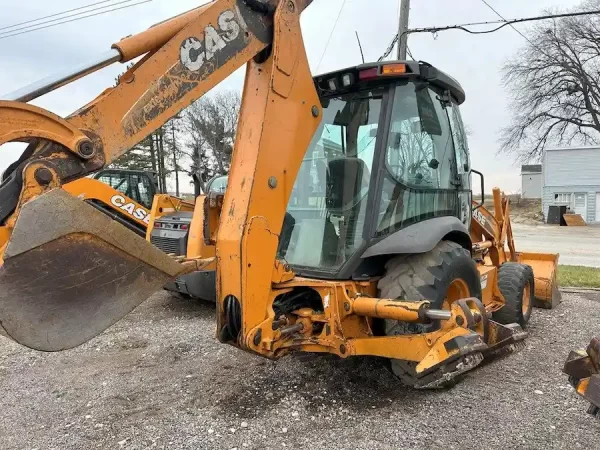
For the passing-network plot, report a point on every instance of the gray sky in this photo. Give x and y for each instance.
(473, 60)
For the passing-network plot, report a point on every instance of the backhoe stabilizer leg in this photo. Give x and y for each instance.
(501, 340)
(466, 353)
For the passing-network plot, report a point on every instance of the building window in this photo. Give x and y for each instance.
(562, 198)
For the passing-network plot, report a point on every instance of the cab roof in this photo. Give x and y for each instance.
(413, 70)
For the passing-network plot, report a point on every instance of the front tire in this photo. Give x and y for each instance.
(443, 275)
(516, 284)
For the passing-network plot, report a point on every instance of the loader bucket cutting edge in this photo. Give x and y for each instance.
(70, 272)
(544, 265)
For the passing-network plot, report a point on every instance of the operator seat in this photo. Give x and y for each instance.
(347, 189)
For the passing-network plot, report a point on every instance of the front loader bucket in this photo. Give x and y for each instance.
(544, 265)
(70, 272)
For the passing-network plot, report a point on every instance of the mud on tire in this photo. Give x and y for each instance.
(425, 276)
(516, 283)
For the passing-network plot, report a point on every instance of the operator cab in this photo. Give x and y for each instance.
(137, 185)
(217, 184)
(390, 152)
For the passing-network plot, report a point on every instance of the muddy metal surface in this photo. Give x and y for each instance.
(158, 379)
(578, 246)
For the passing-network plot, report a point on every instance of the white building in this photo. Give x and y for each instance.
(531, 181)
(571, 177)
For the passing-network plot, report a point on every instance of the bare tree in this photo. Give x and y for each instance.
(555, 86)
(211, 125)
(413, 152)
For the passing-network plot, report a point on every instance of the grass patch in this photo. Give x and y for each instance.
(578, 276)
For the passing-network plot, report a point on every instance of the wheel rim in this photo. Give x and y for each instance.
(526, 304)
(458, 289)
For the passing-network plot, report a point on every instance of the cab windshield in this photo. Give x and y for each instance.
(327, 208)
(218, 184)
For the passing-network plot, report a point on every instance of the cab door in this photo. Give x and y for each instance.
(463, 164)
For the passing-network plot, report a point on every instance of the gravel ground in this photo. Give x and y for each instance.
(159, 379)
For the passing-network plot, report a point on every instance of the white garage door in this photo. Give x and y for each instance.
(581, 205)
(597, 219)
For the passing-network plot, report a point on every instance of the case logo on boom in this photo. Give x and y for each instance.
(130, 208)
(195, 52)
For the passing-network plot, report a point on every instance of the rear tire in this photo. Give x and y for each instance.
(442, 275)
(516, 284)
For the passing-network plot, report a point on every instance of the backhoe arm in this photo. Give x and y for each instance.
(184, 58)
(67, 271)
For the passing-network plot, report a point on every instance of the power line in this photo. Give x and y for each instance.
(13, 29)
(504, 23)
(331, 34)
(537, 47)
(510, 24)
(55, 14)
(34, 28)
(391, 45)
(389, 49)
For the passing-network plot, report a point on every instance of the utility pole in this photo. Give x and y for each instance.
(403, 28)
(174, 149)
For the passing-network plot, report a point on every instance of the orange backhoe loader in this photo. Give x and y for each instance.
(180, 231)
(345, 227)
(125, 195)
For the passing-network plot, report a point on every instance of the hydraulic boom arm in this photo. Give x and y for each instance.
(89, 272)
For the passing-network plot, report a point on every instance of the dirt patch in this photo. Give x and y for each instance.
(522, 210)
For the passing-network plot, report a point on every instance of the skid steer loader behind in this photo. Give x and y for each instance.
(345, 227)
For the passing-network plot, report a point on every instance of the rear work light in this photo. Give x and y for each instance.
(347, 79)
(393, 69)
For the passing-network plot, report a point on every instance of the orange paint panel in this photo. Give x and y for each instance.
(4, 236)
(197, 247)
(20, 121)
(273, 135)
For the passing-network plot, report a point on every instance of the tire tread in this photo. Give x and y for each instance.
(512, 278)
(419, 277)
